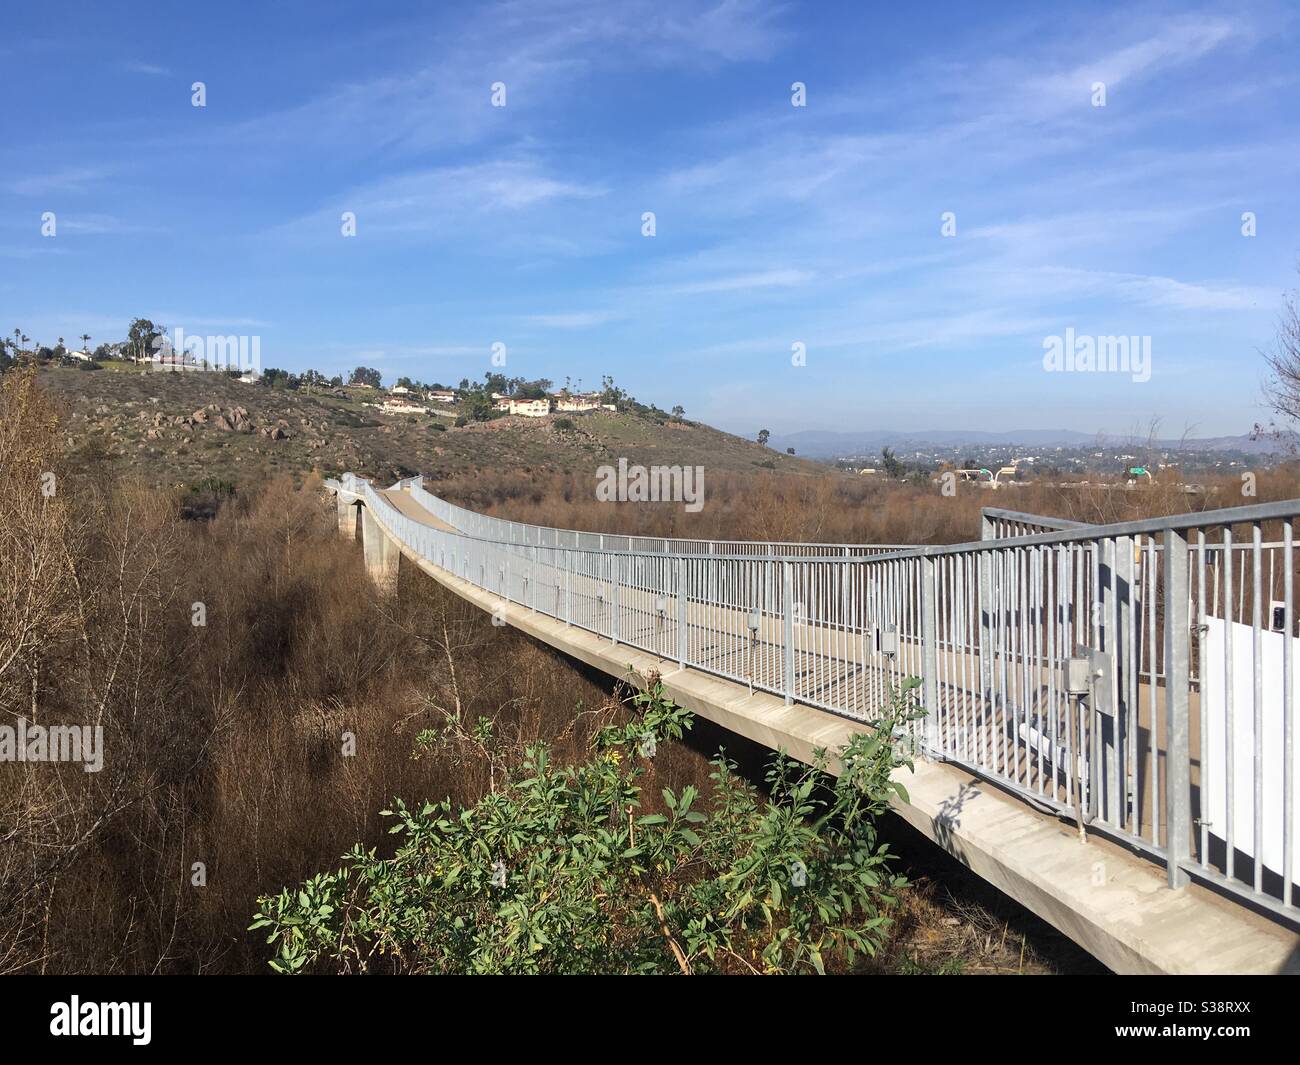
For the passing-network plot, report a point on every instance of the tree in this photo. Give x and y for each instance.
(273, 377)
(365, 375)
(85, 342)
(1283, 386)
(889, 462)
(477, 406)
(679, 412)
(789, 451)
(560, 870)
(532, 389)
(141, 337)
(763, 436)
(611, 393)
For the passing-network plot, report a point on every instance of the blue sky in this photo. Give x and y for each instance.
(775, 224)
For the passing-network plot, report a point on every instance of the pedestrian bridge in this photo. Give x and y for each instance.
(1109, 733)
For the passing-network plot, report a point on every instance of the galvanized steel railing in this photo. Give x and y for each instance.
(1137, 678)
(515, 532)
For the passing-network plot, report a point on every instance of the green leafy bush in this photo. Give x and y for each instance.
(559, 870)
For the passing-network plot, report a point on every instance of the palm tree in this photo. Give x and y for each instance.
(85, 343)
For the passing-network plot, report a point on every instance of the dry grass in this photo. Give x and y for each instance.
(224, 742)
(836, 508)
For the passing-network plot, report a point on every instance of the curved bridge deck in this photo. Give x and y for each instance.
(1065, 675)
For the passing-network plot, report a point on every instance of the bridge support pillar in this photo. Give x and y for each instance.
(347, 519)
(381, 553)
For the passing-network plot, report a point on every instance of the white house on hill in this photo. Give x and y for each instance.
(577, 403)
(531, 408)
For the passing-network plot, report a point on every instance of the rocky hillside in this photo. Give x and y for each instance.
(200, 429)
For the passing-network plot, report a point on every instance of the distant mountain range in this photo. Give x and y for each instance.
(819, 443)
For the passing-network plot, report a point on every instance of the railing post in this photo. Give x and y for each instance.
(568, 588)
(1178, 783)
(682, 622)
(616, 574)
(787, 639)
(930, 653)
(984, 566)
(846, 607)
(1108, 780)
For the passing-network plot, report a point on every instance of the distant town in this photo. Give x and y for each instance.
(1008, 465)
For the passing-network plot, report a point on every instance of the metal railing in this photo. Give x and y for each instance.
(515, 532)
(997, 523)
(1138, 678)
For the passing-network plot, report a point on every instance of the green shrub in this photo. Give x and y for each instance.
(559, 871)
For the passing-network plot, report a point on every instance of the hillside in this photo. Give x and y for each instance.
(199, 428)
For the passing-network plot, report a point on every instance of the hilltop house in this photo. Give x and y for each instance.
(400, 390)
(442, 396)
(530, 408)
(577, 402)
(397, 405)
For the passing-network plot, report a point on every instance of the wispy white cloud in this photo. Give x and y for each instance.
(1173, 43)
(444, 200)
(575, 320)
(744, 282)
(136, 66)
(69, 179)
(92, 224)
(1173, 294)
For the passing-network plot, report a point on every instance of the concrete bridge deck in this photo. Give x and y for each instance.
(1112, 901)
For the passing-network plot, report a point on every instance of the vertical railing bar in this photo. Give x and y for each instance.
(1257, 662)
(1205, 768)
(930, 652)
(1152, 565)
(1288, 717)
(1230, 745)
(787, 588)
(1177, 726)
